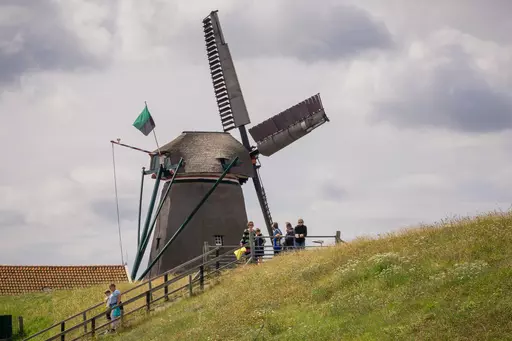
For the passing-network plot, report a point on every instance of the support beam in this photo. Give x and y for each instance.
(142, 248)
(262, 200)
(140, 204)
(257, 184)
(187, 220)
(138, 256)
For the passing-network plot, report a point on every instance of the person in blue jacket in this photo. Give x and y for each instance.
(277, 238)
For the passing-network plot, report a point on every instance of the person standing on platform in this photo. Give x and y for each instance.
(245, 241)
(289, 239)
(276, 240)
(301, 232)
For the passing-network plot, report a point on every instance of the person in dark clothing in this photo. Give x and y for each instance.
(259, 246)
(245, 241)
(301, 232)
(289, 239)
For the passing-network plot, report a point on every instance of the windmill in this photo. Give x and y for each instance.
(195, 159)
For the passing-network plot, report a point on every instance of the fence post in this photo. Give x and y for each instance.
(62, 330)
(190, 285)
(251, 246)
(148, 301)
(84, 315)
(93, 326)
(217, 263)
(206, 248)
(166, 288)
(150, 293)
(201, 277)
(338, 237)
(20, 326)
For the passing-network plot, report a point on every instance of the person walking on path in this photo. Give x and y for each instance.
(276, 240)
(113, 302)
(301, 232)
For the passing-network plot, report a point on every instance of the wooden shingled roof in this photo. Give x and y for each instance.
(15, 280)
(201, 151)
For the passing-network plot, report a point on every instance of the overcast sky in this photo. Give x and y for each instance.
(419, 94)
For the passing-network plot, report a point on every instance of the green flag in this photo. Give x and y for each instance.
(145, 122)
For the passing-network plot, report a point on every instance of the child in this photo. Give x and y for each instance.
(259, 248)
(107, 298)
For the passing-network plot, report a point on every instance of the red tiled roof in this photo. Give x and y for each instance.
(24, 279)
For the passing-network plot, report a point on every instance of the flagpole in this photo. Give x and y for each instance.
(154, 134)
(157, 146)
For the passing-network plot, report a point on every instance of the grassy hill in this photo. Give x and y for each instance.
(452, 281)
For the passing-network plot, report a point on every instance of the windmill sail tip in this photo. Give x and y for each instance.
(288, 126)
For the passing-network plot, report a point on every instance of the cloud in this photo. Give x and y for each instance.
(331, 191)
(45, 36)
(450, 85)
(308, 33)
(10, 218)
(290, 29)
(106, 209)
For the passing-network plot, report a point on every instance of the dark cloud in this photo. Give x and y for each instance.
(106, 209)
(34, 37)
(458, 97)
(332, 192)
(291, 29)
(309, 33)
(10, 218)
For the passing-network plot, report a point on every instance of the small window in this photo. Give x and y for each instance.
(219, 240)
(157, 243)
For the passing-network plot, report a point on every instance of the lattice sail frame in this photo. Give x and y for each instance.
(228, 93)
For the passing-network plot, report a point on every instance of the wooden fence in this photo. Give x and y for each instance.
(179, 281)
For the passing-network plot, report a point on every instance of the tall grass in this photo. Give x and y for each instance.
(450, 281)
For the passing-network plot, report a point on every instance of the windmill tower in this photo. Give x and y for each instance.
(223, 218)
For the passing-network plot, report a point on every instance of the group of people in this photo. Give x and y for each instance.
(114, 309)
(294, 238)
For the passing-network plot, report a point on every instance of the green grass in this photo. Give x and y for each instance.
(452, 281)
(42, 310)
